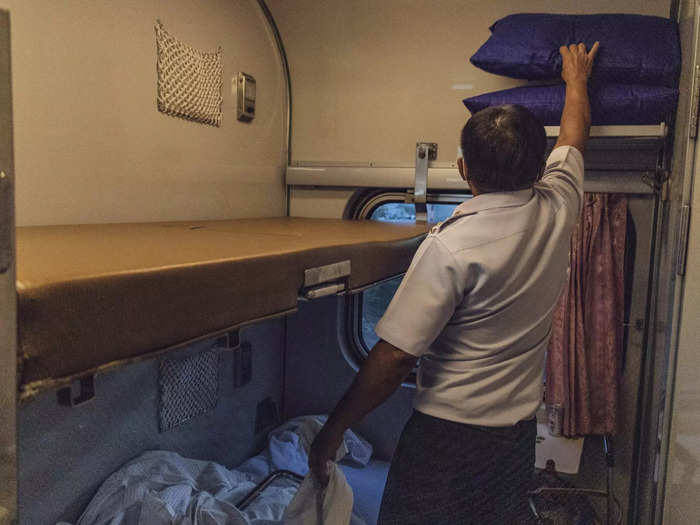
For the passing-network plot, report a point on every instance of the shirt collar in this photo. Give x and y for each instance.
(488, 201)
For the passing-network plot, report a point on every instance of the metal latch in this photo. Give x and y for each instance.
(425, 152)
(324, 291)
(325, 280)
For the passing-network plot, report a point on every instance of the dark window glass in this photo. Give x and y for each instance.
(375, 300)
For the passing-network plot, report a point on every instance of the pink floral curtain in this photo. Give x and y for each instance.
(584, 361)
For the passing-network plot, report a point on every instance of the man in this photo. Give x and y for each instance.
(476, 306)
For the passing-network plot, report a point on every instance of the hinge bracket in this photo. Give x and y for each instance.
(659, 181)
(85, 392)
(666, 189)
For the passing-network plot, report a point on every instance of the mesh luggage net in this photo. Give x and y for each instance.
(189, 81)
(188, 387)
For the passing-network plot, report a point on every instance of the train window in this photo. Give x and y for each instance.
(375, 300)
(402, 212)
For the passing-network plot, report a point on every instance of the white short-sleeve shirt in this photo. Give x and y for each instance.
(476, 303)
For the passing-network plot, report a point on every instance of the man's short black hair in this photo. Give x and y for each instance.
(503, 148)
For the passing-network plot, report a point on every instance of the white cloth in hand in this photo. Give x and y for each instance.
(316, 505)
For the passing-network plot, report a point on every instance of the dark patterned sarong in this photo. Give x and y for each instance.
(451, 473)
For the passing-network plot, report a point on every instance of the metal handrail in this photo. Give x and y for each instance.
(260, 488)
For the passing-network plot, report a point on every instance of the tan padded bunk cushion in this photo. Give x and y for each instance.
(91, 295)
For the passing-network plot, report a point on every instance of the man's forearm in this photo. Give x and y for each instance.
(577, 64)
(576, 117)
(380, 375)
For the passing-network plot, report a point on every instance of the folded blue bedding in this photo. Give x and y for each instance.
(613, 104)
(634, 49)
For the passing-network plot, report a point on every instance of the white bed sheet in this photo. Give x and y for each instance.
(164, 488)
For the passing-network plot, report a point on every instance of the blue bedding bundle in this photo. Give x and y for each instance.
(635, 73)
(611, 104)
(634, 49)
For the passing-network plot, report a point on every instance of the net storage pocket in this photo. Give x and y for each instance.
(189, 81)
(189, 387)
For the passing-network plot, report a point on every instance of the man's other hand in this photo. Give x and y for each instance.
(577, 63)
(379, 377)
(322, 453)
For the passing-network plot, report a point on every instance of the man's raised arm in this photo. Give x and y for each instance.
(576, 117)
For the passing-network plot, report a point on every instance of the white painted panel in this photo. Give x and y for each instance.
(683, 478)
(90, 144)
(370, 78)
(682, 475)
(319, 203)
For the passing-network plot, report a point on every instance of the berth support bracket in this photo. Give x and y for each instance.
(85, 392)
(659, 181)
(242, 364)
(425, 152)
(230, 340)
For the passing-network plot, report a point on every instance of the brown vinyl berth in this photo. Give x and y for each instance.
(93, 296)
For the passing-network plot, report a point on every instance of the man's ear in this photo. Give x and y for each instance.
(462, 167)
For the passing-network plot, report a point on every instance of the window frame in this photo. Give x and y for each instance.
(361, 207)
(363, 203)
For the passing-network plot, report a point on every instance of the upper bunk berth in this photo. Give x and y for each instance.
(92, 296)
(618, 159)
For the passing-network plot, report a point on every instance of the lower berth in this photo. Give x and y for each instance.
(164, 488)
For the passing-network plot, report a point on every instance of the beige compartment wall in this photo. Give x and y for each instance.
(371, 77)
(90, 144)
(681, 506)
(681, 503)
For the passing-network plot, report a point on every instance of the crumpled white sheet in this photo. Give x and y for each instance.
(163, 488)
(330, 505)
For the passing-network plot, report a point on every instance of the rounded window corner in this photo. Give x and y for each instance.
(364, 201)
(361, 311)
